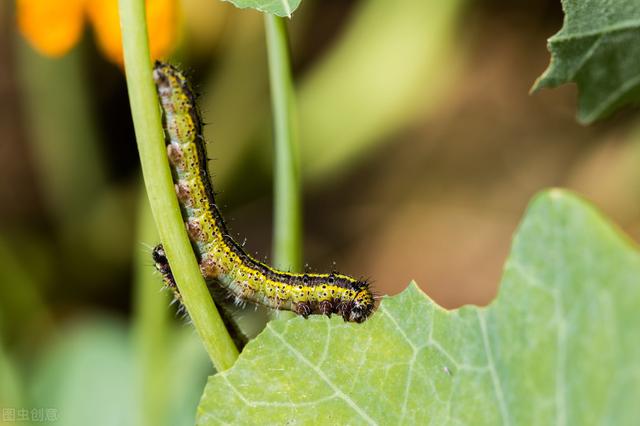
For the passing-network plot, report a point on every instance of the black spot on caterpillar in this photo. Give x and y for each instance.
(221, 258)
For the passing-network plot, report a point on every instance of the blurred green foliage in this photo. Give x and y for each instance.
(90, 373)
(356, 96)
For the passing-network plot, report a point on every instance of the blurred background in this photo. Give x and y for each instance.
(420, 148)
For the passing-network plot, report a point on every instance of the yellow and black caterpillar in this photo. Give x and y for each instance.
(221, 259)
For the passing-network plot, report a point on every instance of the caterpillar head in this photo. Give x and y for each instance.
(160, 259)
(362, 304)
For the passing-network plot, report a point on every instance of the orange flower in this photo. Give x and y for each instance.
(53, 27)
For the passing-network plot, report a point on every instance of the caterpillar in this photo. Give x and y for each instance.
(222, 260)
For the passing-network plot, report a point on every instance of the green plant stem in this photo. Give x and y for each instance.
(287, 217)
(159, 185)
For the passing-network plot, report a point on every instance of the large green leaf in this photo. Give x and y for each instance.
(598, 48)
(558, 346)
(277, 7)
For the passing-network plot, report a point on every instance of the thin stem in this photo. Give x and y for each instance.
(159, 185)
(287, 217)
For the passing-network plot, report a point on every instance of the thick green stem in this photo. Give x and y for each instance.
(159, 185)
(287, 217)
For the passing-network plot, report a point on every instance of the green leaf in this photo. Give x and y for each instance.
(598, 48)
(277, 7)
(86, 374)
(558, 346)
(10, 380)
(89, 375)
(415, 63)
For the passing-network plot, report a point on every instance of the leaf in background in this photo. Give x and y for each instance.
(598, 48)
(357, 96)
(89, 375)
(277, 7)
(10, 381)
(558, 346)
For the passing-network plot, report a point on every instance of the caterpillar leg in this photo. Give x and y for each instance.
(303, 309)
(226, 313)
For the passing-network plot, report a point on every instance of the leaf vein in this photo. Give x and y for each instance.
(291, 404)
(495, 378)
(338, 392)
(397, 326)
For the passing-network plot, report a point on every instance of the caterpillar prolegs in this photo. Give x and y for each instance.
(222, 260)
